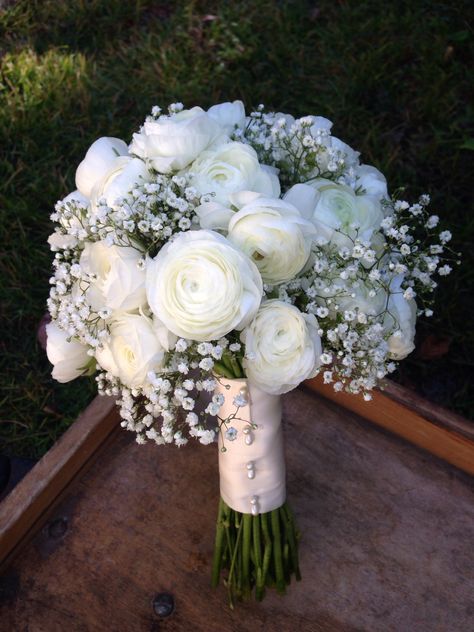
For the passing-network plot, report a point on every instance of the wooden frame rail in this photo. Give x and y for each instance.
(396, 409)
(408, 415)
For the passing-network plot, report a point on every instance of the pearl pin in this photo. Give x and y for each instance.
(254, 505)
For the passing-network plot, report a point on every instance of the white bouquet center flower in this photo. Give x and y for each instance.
(275, 235)
(229, 168)
(201, 287)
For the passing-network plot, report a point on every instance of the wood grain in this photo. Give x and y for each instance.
(387, 535)
(21, 510)
(401, 411)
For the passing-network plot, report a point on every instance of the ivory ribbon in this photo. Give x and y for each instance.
(252, 468)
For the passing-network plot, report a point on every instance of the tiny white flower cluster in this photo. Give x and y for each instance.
(301, 149)
(223, 245)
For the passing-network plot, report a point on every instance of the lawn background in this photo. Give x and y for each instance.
(394, 78)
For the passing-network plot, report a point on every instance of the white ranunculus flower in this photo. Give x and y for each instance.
(216, 216)
(228, 115)
(76, 197)
(351, 157)
(201, 287)
(361, 299)
(273, 233)
(232, 167)
(97, 162)
(320, 123)
(282, 347)
(117, 283)
(338, 214)
(69, 357)
(172, 142)
(401, 319)
(132, 351)
(122, 176)
(372, 181)
(304, 198)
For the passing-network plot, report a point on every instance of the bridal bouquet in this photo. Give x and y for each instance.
(215, 263)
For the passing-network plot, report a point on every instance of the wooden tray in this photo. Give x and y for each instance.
(101, 525)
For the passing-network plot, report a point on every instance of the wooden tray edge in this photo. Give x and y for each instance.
(21, 511)
(396, 409)
(404, 413)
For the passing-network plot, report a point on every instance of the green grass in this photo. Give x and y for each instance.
(394, 77)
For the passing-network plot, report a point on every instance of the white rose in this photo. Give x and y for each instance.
(232, 167)
(97, 162)
(372, 181)
(123, 175)
(69, 357)
(172, 142)
(401, 319)
(338, 214)
(228, 115)
(132, 351)
(201, 287)
(275, 236)
(282, 347)
(117, 282)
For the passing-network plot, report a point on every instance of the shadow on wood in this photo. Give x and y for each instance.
(387, 535)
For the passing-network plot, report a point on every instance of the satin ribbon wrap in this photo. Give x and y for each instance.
(252, 467)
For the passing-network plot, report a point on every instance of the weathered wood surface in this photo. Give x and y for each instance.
(408, 415)
(27, 503)
(386, 546)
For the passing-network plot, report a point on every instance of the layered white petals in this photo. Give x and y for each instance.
(401, 316)
(201, 287)
(122, 176)
(68, 356)
(282, 347)
(116, 280)
(132, 351)
(172, 142)
(230, 168)
(372, 181)
(216, 216)
(339, 215)
(97, 162)
(229, 115)
(275, 236)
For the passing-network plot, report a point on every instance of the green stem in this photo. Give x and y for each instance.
(287, 514)
(247, 534)
(277, 556)
(221, 370)
(217, 560)
(236, 367)
(267, 555)
(232, 565)
(259, 551)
